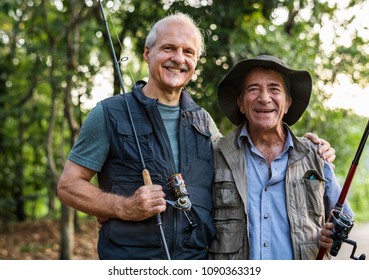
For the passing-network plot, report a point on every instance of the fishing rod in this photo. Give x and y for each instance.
(343, 222)
(145, 172)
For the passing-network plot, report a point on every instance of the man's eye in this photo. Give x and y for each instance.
(276, 90)
(253, 89)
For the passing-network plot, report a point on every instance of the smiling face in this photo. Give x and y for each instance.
(173, 58)
(264, 100)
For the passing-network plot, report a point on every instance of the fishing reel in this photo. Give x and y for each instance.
(176, 183)
(183, 202)
(343, 224)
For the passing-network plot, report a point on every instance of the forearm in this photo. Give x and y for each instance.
(75, 190)
(89, 199)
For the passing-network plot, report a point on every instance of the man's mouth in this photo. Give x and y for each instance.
(177, 70)
(264, 111)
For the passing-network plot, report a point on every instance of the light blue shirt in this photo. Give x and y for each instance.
(269, 229)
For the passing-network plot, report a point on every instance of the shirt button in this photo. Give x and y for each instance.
(266, 216)
(265, 244)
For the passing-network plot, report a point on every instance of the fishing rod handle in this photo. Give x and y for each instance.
(147, 181)
(146, 177)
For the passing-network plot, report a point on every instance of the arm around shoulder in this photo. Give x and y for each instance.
(325, 150)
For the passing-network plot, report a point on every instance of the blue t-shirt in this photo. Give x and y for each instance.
(170, 116)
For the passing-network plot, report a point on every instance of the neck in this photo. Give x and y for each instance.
(165, 96)
(270, 142)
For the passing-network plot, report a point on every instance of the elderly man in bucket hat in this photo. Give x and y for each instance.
(272, 192)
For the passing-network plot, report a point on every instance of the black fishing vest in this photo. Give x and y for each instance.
(122, 174)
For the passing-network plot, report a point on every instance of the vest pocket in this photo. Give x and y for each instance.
(137, 234)
(314, 184)
(226, 195)
(229, 237)
(229, 220)
(129, 150)
(203, 142)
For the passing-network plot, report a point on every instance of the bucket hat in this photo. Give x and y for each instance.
(229, 88)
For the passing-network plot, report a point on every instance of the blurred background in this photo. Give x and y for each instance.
(55, 64)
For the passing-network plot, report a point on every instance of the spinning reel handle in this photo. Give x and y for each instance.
(183, 202)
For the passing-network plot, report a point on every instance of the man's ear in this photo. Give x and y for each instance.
(146, 54)
(288, 104)
(240, 103)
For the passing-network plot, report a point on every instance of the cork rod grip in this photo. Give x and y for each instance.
(146, 177)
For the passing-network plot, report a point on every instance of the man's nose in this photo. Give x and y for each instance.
(264, 96)
(178, 56)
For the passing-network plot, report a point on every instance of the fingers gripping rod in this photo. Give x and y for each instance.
(145, 173)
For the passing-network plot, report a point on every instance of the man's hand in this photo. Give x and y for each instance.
(325, 240)
(145, 202)
(325, 151)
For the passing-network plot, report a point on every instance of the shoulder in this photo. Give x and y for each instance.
(307, 151)
(214, 131)
(110, 101)
(95, 115)
(228, 142)
(94, 124)
(92, 144)
(306, 143)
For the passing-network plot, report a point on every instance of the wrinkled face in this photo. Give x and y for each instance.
(264, 99)
(173, 58)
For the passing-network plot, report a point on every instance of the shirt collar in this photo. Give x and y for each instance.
(244, 135)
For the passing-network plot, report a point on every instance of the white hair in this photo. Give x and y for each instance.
(182, 18)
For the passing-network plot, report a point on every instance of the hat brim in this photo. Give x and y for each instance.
(229, 88)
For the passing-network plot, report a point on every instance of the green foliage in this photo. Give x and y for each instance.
(51, 51)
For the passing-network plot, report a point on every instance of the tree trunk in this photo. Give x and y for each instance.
(18, 182)
(67, 233)
(72, 43)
